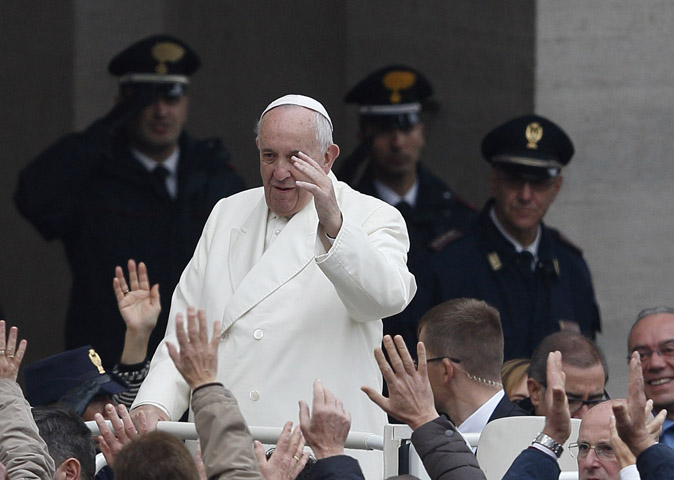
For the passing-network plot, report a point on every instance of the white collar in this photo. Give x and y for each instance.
(479, 418)
(533, 248)
(392, 198)
(171, 163)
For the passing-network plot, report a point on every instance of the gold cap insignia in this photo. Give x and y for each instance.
(398, 80)
(166, 52)
(494, 261)
(533, 133)
(96, 360)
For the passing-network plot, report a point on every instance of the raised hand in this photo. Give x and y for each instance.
(325, 429)
(288, 458)
(320, 186)
(197, 360)
(410, 395)
(139, 306)
(10, 354)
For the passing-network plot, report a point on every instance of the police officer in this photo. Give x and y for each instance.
(387, 165)
(132, 185)
(535, 277)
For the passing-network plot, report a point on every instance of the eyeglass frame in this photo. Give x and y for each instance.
(600, 453)
(437, 359)
(590, 403)
(648, 353)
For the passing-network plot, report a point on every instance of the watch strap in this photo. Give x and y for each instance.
(548, 442)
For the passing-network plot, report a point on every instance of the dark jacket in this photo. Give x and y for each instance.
(444, 452)
(91, 193)
(484, 264)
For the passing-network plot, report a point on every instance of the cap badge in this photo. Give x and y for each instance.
(398, 80)
(166, 52)
(96, 360)
(533, 133)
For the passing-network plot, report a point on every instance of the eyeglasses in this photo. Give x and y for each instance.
(437, 359)
(581, 449)
(664, 350)
(576, 404)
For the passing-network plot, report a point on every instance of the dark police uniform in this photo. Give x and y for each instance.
(90, 191)
(392, 98)
(534, 298)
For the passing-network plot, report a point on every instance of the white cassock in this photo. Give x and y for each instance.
(294, 312)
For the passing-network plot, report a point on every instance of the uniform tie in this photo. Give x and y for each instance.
(159, 174)
(525, 263)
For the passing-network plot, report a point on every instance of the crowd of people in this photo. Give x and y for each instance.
(275, 295)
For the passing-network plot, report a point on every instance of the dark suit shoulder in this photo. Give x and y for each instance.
(506, 408)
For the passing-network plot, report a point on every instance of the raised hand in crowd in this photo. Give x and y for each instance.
(123, 431)
(633, 422)
(197, 359)
(288, 458)
(326, 427)
(558, 417)
(139, 304)
(11, 355)
(410, 397)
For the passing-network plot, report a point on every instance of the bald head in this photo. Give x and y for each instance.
(595, 432)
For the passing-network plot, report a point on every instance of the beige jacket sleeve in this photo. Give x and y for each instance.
(226, 443)
(22, 450)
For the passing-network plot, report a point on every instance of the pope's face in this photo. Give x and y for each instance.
(284, 132)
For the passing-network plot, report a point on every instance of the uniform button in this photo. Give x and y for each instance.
(449, 433)
(258, 334)
(254, 395)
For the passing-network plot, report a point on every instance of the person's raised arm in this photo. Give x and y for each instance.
(22, 451)
(139, 304)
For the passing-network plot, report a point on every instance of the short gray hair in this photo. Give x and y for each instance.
(323, 129)
(647, 312)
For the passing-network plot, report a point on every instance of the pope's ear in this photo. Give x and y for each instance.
(330, 157)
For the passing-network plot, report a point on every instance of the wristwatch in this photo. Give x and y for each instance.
(548, 442)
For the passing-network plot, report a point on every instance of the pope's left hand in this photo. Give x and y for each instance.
(320, 186)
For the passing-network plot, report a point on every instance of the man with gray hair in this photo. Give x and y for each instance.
(464, 344)
(652, 335)
(300, 272)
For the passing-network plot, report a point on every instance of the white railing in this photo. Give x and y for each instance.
(389, 443)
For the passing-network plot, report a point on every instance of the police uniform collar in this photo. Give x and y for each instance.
(171, 163)
(392, 198)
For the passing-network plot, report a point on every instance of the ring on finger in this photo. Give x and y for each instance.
(296, 458)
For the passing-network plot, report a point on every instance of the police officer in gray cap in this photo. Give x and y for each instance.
(387, 165)
(132, 185)
(535, 277)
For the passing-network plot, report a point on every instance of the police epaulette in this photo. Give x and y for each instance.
(441, 241)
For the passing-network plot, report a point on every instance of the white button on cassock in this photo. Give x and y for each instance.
(254, 395)
(258, 334)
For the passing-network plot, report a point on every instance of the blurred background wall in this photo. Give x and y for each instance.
(603, 70)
